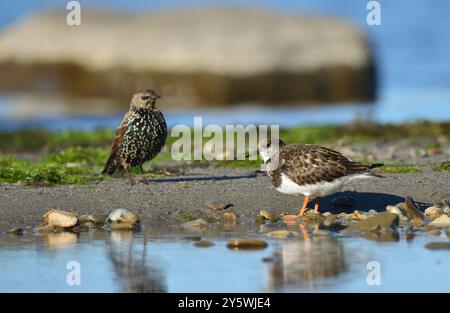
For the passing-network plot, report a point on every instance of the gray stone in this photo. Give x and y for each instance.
(60, 218)
(438, 246)
(379, 221)
(198, 223)
(441, 222)
(411, 209)
(219, 206)
(122, 216)
(87, 220)
(203, 244)
(396, 210)
(247, 244)
(433, 212)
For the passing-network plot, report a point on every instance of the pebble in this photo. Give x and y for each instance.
(100, 219)
(434, 212)
(218, 206)
(198, 223)
(87, 221)
(412, 211)
(396, 210)
(247, 244)
(441, 222)
(229, 216)
(122, 216)
(382, 220)
(435, 232)
(282, 234)
(203, 244)
(357, 215)
(438, 246)
(445, 206)
(268, 216)
(16, 231)
(60, 218)
(87, 218)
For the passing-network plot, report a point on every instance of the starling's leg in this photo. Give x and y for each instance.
(302, 210)
(130, 178)
(316, 206)
(144, 179)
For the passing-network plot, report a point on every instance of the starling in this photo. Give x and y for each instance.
(140, 136)
(309, 170)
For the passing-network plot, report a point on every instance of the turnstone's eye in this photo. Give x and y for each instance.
(145, 97)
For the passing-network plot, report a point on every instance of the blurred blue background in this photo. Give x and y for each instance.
(412, 50)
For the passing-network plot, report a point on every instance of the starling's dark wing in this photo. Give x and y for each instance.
(309, 164)
(111, 164)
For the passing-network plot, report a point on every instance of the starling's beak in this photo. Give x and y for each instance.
(155, 96)
(152, 100)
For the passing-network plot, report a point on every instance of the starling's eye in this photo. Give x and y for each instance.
(145, 97)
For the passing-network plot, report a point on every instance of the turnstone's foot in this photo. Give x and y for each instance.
(301, 213)
(292, 216)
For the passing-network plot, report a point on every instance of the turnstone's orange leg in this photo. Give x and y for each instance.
(302, 210)
(316, 206)
(304, 231)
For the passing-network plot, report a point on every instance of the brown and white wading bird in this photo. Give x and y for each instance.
(309, 170)
(140, 136)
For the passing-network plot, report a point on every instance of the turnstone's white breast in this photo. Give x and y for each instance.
(309, 170)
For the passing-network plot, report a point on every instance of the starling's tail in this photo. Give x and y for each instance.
(110, 166)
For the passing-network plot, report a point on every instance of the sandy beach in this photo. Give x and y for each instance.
(170, 199)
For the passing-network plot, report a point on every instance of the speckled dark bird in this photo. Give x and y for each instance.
(140, 137)
(309, 170)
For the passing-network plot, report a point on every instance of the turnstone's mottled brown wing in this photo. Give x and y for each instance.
(110, 165)
(309, 164)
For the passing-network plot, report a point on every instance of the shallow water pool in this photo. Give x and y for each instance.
(150, 262)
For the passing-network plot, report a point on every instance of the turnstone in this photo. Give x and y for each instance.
(140, 136)
(309, 170)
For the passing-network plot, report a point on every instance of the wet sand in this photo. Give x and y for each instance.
(168, 199)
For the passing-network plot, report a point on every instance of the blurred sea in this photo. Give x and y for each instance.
(412, 50)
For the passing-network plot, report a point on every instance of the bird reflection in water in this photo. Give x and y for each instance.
(307, 262)
(131, 264)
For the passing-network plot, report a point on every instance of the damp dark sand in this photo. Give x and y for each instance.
(174, 199)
